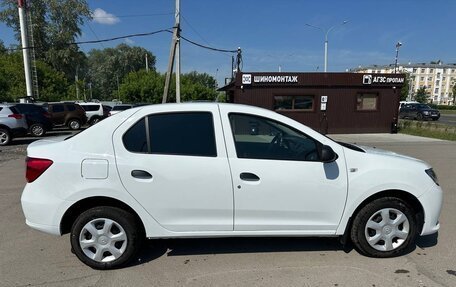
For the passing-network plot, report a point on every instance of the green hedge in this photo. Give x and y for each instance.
(443, 107)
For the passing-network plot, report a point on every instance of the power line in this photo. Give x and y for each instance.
(135, 35)
(135, 15)
(194, 30)
(207, 47)
(95, 34)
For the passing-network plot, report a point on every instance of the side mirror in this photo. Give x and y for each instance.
(327, 154)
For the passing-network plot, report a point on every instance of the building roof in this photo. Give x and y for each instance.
(438, 65)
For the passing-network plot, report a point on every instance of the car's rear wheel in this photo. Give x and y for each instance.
(74, 124)
(5, 137)
(95, 121)
(385, 227)
(37, 130)
(106, 237)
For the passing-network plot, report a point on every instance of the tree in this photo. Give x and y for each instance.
(107, 67)
(405, 88)
(421, 95)
(53, 85)
(198, 87)
(142, 87)
(56, 23)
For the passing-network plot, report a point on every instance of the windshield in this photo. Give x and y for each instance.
(423, 106)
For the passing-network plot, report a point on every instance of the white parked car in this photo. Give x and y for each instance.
(94, 112)
(212, 170)
(119, 108)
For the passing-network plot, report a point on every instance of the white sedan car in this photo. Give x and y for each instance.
(213, 170)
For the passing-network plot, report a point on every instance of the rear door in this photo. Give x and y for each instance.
(174, 163)
(57, 113)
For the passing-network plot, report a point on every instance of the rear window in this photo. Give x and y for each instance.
(121, 108)
(71, 108)
(187, 133)
(14, 110)
(90, 108)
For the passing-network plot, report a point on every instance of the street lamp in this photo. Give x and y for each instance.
(398, 45)
(326, 32)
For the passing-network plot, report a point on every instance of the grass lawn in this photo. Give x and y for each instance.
(428, 129)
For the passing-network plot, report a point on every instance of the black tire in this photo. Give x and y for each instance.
(37, 130)
(127, 249)
(5, 137)
(419, 116)
(74, 124)
(95, 120)
(368, 213)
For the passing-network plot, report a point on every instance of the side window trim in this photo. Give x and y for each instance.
(146, 125)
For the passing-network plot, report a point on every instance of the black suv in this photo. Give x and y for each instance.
(419, 112)
(38, 119)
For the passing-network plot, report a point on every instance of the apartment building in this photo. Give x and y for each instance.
(437, 78)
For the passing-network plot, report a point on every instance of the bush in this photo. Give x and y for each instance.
(442, 107)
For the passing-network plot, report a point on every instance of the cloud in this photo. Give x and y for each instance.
(129, 41)
(101, 16)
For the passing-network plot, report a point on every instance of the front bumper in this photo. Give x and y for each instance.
(432, 202)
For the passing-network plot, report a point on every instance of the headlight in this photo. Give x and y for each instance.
(426, 112)
(432, 175)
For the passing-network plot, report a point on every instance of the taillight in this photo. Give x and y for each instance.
(36, 167)
(46, 114)
(16, 116)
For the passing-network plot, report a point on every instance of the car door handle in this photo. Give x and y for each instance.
(247, 176)
(141, 174)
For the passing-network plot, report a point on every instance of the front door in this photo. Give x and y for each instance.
(174, 164)
(279, 182)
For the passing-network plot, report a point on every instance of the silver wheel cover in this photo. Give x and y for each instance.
(3, 137)
(387, 229)
(37, 130)
(103, 240)
(74, 125)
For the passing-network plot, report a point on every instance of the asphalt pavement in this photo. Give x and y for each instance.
(448, 119)
(31, 258)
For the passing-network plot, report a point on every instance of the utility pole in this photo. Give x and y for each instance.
(25, 46)
(147, 64)
(175, 49)
(398, 45)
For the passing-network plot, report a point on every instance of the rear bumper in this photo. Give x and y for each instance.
(42, 210)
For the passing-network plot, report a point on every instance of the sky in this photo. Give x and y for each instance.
(275, 34)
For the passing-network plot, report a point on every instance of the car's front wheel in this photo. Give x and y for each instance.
(106, 237)
(385, 227)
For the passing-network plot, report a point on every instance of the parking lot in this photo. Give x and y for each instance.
(31, 258)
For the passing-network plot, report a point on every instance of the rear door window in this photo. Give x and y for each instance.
(181, 133)
(57, 108)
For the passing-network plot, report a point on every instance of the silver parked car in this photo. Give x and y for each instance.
(12, 124)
